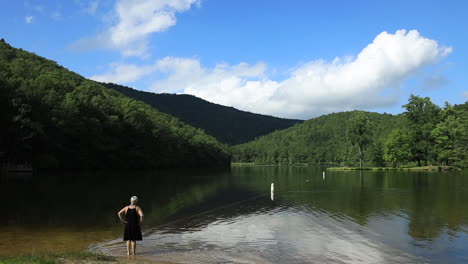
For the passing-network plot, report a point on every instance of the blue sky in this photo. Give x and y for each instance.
(297, 59)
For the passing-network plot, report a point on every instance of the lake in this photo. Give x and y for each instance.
(231, 216)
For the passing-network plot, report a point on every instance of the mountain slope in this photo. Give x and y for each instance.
(227, 124)
(319, 140)
(57, 119)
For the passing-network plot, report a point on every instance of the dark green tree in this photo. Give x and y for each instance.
(397, 147)
(377, 155)
(360, 133)
(448, 135)
(423, 116)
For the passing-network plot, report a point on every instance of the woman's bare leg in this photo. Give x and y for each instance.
(134, 247)
(128, 247)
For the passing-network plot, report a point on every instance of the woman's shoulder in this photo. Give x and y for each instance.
(124, 210)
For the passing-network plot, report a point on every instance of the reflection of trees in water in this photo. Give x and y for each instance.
(432, 201)
(91, 199)
(221, 206)
(438, 203)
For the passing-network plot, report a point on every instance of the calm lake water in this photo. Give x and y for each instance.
(230, 216)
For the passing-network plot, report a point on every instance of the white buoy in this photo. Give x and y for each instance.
(272, 191)
(323, 175)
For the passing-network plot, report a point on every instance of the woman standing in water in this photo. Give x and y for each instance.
(132, 216)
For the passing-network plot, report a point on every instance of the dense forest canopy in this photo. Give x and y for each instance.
(424, 134)
(227, 124)
(55, 118)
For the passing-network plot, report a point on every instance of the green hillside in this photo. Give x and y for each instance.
(227, 124)
(55, 118)
(316, 141)
(425, 134)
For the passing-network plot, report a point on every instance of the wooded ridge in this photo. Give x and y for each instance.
(55, 118)
(227, 124)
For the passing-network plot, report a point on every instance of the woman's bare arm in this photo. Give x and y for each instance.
(140, 212)
(121, 214)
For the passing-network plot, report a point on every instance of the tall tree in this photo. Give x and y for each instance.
(462, 143)
(448, 135)
(360, 133)
(423, 115)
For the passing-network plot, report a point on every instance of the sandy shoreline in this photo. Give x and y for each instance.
(117, 261)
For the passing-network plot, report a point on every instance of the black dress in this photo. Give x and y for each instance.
(132, 227)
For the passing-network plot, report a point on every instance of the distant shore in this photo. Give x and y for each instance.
(272, 165)
(347, 168)
(422, 168)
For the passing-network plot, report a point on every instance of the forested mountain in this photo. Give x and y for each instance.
(424, 134)
(316, 141)
(227, 124)
(55, 118)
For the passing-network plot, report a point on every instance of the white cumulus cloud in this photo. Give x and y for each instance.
(370, 79)
(135, 20)
(239, 85)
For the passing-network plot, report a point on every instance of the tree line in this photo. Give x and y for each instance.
(433, 135)
(424, 134)
(54, 118)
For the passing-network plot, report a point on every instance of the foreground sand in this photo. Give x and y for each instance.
(117, 261)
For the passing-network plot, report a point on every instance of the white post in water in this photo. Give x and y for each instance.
(323, 175)
(272, 191)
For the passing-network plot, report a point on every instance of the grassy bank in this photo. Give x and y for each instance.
(240, 164)
(55, 258)
(422, 168)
